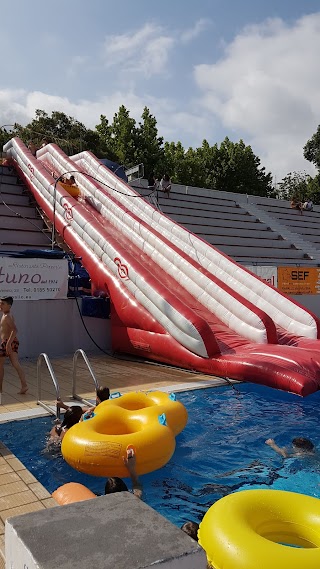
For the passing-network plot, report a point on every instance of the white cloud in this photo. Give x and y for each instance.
(145, 51)
(266, 87)
(173, 122)
(192, 33)
(12, 107)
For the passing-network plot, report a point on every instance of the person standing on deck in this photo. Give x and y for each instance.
(9, 344)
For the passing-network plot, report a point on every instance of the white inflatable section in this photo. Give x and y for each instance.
(282, 310)
(226, 307)
(172, 320)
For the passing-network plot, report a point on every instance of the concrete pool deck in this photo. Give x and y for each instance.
(20, 492)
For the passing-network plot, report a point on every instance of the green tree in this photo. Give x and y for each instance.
(5, 135)
(314, 189)
(300, 186)
(173, 162)
(149, 146)
(104, 130)
(194, 172)
(124, 137)
(239, 170)
(232, 167)
(311, 150)
(209, 160)
(68, 133)
(294, 186)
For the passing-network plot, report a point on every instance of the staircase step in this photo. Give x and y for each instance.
(13, 188)
(20, 237)
(10, 180)
(6, 247)
(15, 199)
(27, 211)
(18, 223)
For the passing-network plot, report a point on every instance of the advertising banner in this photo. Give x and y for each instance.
(299, 280)
(268, 274)
(33, 279)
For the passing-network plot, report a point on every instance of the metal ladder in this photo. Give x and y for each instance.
(45, 358)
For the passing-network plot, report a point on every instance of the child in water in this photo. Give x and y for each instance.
(103, 393)
(300, 447)
(72, 417)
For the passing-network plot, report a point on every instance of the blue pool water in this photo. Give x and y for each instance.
(221, 450)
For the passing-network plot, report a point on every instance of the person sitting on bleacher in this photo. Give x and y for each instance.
(296, 204)
(308, 205)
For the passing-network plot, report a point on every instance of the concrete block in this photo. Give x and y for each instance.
(117, 531)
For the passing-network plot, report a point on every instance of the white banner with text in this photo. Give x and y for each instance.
(33, 279)
(268, 274)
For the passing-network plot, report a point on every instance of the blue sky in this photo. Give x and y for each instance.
(205, 68)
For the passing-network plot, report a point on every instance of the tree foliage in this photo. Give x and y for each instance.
(294, 186)
(300, 186)
(230, 166)
(5, 136)
(311, 149)
(149, 146)
(71, 135)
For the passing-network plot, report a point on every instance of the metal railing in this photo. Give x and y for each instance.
(153, 199)
(44, 357)
(76, 355)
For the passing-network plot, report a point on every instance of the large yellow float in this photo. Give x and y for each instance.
(147, 421)
(253, 529)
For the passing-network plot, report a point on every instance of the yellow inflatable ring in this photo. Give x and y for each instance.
(147, 421)
(248, 530)
(72, 190)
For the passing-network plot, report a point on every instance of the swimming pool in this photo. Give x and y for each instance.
(221, 450)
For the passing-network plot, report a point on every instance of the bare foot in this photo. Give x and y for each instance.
(23, 390)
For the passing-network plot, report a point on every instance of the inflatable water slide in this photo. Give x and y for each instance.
(174, 298)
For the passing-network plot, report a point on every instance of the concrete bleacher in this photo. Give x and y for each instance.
(250, 229)
(22, 226)
(299, 228)
(305, 224)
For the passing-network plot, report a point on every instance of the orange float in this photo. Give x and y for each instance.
(72, 492)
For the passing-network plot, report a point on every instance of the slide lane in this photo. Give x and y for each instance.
(285, 312)
(250, 321)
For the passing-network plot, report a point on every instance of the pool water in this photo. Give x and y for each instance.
(221, 450)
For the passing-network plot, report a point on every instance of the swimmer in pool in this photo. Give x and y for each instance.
(71, 417)
(300, 447)
(103, 393)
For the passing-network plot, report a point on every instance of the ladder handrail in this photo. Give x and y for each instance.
(45, 357)
(76, 355)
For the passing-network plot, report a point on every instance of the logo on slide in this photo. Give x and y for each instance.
(30, 167)
(67, 212)
(123, 270)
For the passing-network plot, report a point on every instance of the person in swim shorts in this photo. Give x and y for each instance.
(9, 344)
